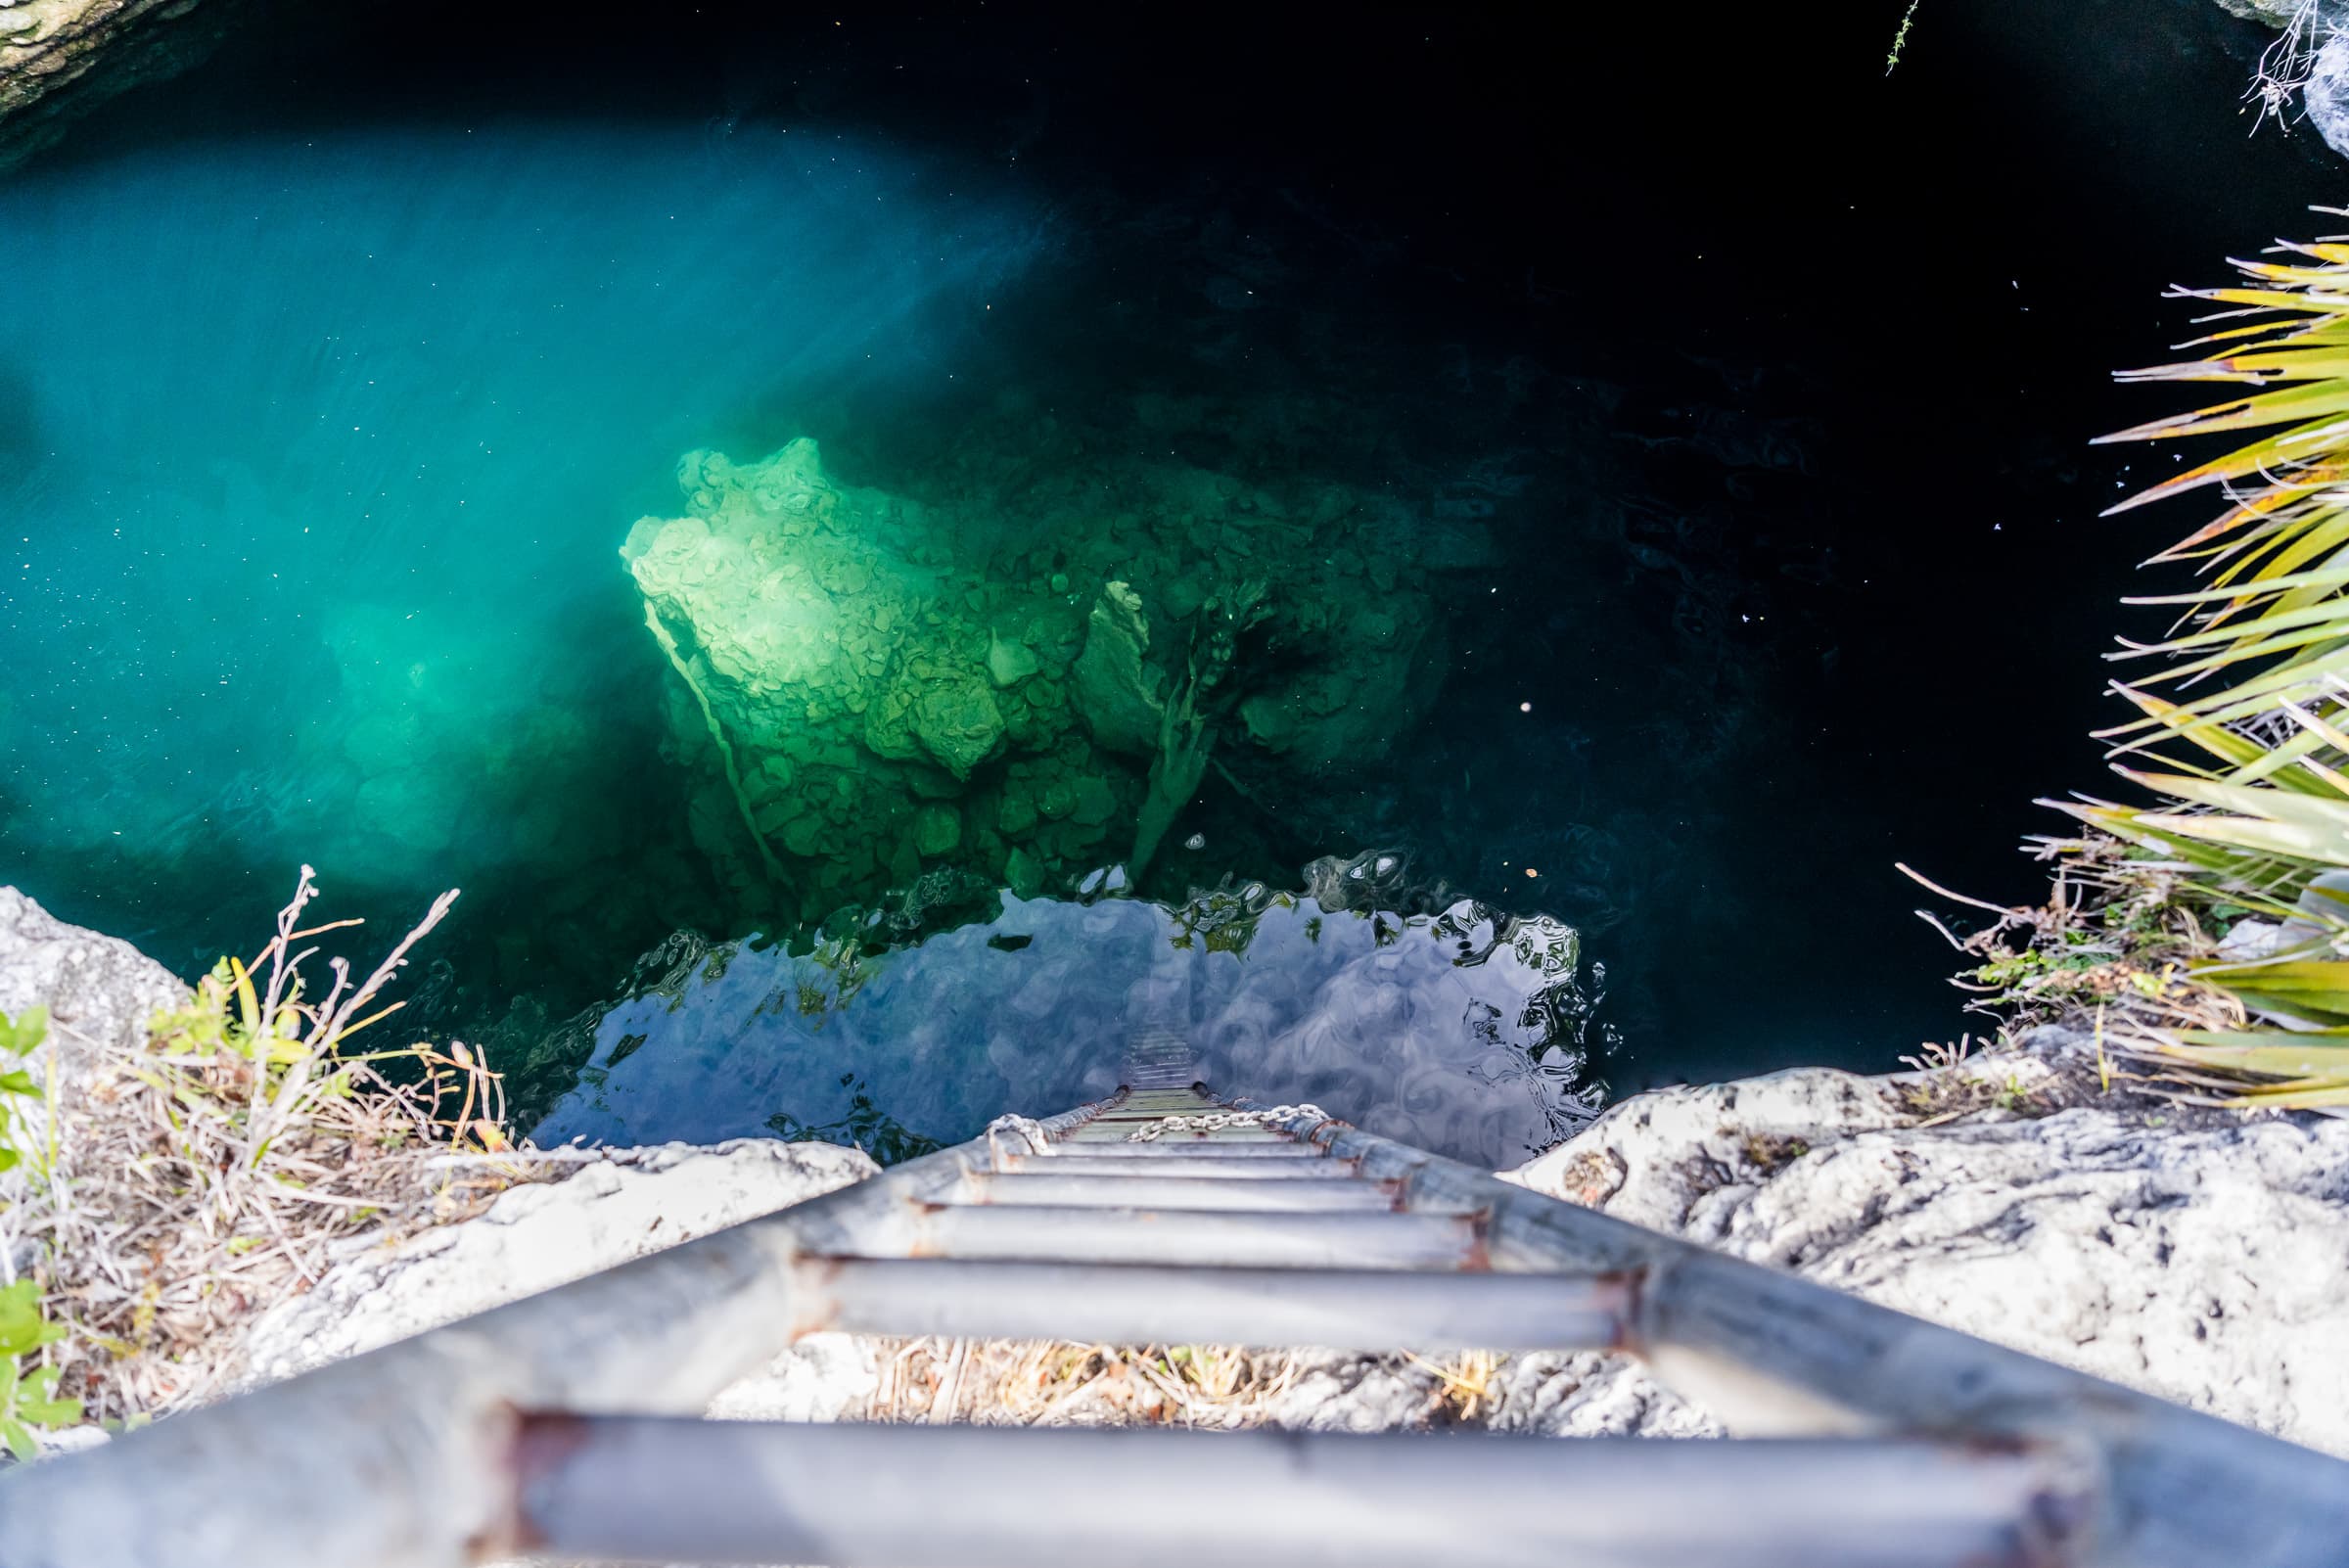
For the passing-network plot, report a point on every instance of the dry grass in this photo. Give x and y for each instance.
(2123, 953)
(1039, 1383)
(2116, 948)
(186, 1183)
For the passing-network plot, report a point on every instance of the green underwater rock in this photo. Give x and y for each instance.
(1120, 692)
(1010, 663)
(1022, 680)
(957, 722)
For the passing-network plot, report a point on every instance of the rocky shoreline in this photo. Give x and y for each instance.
(58, 59)
(2024, 1196)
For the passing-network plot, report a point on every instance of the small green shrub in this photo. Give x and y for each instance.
(28, 1146)
(28, 1398)
(187, 1179)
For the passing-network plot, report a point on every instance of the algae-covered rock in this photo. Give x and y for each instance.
(937, 830)
(958, 724)
(835, 679)
(1117, 688)
(874, 686)
(1024, 874)
(1009, 663)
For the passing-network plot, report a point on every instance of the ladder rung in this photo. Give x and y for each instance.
(1212, 1148)
(650, 1489)
(1178, 1192)
(1147, 1114)
(1155, 1304)
(1118, 1132)
(1185, 1163)
(1223, 1237)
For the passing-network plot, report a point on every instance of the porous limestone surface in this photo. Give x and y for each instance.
(2196, 1258)
(2276, 12)
(620, 1205)
(98, 991)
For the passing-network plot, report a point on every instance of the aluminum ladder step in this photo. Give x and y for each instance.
(987, 1232)
(653, 1489)
(1168, 1304)
(1321, 1194)
(1105, 1225)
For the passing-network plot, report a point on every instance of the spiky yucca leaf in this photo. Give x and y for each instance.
(2277, 621)
(2254, 683)
(2278, 1069)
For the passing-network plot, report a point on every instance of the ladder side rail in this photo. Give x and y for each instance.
(403, 1458)
(1772, 1353)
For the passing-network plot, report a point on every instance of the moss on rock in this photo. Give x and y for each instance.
(983, 686)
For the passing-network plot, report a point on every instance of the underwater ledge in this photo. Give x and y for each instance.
(2011, 1195)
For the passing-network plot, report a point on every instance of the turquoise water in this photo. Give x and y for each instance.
(319, 456)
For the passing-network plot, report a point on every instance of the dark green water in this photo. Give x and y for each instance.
(1509, 511)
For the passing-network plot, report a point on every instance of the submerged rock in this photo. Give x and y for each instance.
(1009, 663)
(61, 58)
(1120, 692)
(872, 683)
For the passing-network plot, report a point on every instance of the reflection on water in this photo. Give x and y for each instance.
(1461, 1032)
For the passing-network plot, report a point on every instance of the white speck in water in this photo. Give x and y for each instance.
(1197, 841)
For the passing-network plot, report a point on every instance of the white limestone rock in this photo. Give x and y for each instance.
(624, 1205)
(2275, 13)
(99, 991)
(2326, 95)
(2195, 1255)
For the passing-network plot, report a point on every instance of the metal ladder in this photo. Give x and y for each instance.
(562, 1425)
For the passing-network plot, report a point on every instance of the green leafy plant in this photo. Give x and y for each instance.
(2243, 726)
(20, 1140)
(1900, 39)
(28, 1398)
(200, 1170)
(27, 1147)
